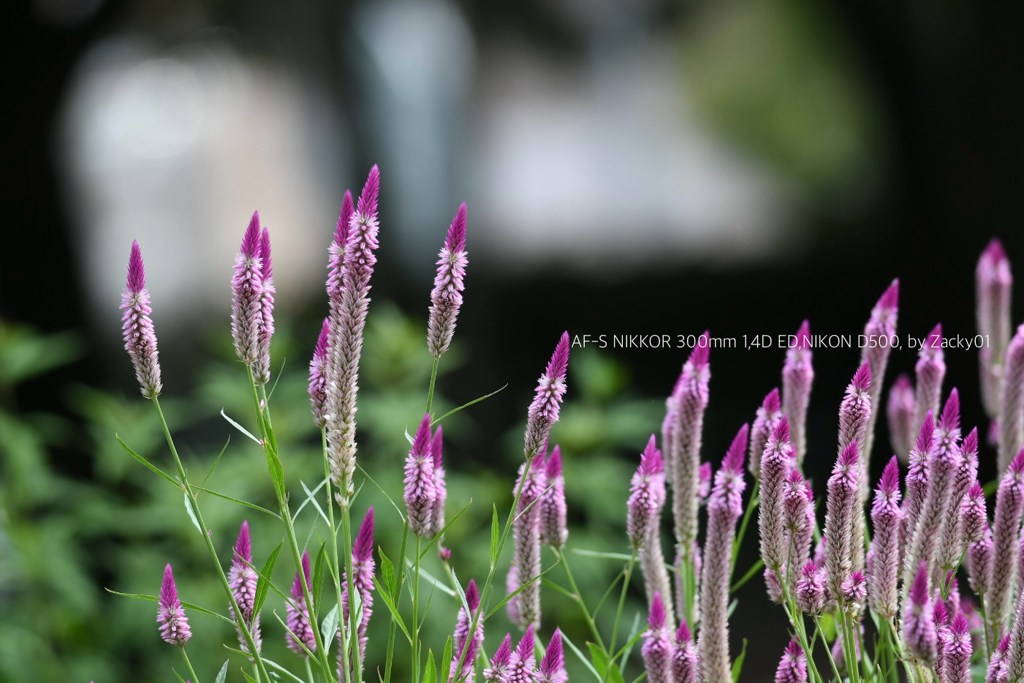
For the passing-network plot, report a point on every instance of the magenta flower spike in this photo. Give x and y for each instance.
(684, 656)
(348, 288)
(997, 663)
(524, 609)
(318, 376)
(886, 518)
(775, 465)
(956, 665)
(797, 378)
(420, 491)
(552, 665)
(793, 666)
(243, 579)
(300, 631)
(362, 578)
(247, 294)
(799, 509)
(499, 669)
(461, 639)
(766, 420)
(691, 397)
(810, 589)
(973, 514)
(1005, 530)
(930, 370)
(979, 562)
(137, 325)
(704, 481)
(854, 591)
(554, 530)
(918, 619)
(1011, 403)
(261, 366)
(994, 283)
(879, 330)
(900, 411)
(543, 413)
(440, 488)
(523, 666)
(643, 522)
(952, 541)
(840, 508)
(174, 628)
(855, 415)
(917, 479)
(724, 508)
(657, 647)
(446, 297)
(669, 443)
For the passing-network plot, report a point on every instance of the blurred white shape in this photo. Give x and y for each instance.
(602, 167)
(176, 149)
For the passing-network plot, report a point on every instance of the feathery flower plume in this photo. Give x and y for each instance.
(917, 479)
(420, 492)
(918, 619)
(840, 508)
(362, 578)
(298, 613)
(799, 507)
(930, 370)
(956, 665)
(446, 297)
(261, 367)
(854, 590)
(440, 488)
(773, 583)
(524, 609)
(522, 666)
(684, 656)
(810, 589)
(952, 542)
(348, 289)
(973, 514)
(997, 663)
(797, 378)
(691, 397)
(247, 294)
(643, 522)
(174, 627)
(318, 376)
(704, 481)
(462, 640)
(879, 330)
(669, 443)
(793, 667)
(775, 464)
(552, 665)
(543, 413)
(855, 414)
(1014, 661)
(243, 579)
(767, 419)
(553, 529)
(499, 669)
(900, 411)
(979, 561)
(139, 336)
(657, 647)
(886, 517)
(1011, 404)
(724, 508)
(1005, 529)
(994, 283)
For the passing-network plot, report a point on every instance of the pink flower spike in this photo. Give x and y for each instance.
(440, 487)
(524, 609)
(956, 664)
(544, 409)
(318, 376)
(994, 285)
(1011, 402)
(684, 656)
(261, 367)
(1005, 550)
(298, 613)
(930, 370)
(247, 294)
(643, 517)
(879, 330)
(137, 326)
(886, 516)
(499, 669)
(918, 623)
(420, 490)
(797, 378)
(657, 648)
(766, 420)
(775, 465)
(446, 297)
(552, 666)
(900, 411)
(174, 628)
(810, 589)
(554, 530)
(840, 505)
(243, 580)
(793, 667)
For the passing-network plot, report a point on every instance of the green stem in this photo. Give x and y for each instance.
(433, 381)
(348, 634)
(190, 494)
(195, 679)
(579, 599)
(622, 603)
(392, 630)
(751, 506)
(416, 614)
(828, 651)
(309, 670)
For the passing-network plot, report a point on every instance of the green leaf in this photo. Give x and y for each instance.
(495, 533)
(186, 605)
(217, 461)
(608, 556)
(318, 575)
(608, 670)
(329, 627)
(387, 572)
(270, 663)
(517, 592)
(192, 513)
(751, 573)
(239, 427)
(737, 666)
(182, 680)
(236, 500)
(310, 497)
(276, 472)
(586, 662)
(248, 677)
(465, 405)
(265, 576)
(437, 537)
(222, 675)
(446, 657)
(430, 670)
(392, 608)
(436, 582)
(147, 463)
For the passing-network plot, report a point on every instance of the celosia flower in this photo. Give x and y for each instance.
(552, 665)
(543, 413)
(318, 376)
(1014, 661)
(797, 378)
(684, 656)
(522, 666)
(854, 590)
(348, 288)
(878, 331)
(997, 663)
(261, 367)
(440, 488)
(462, 640)
(973, 514)
(900, 411)
(793, 666)
(767, 419)
(362, 578)
(810, 589)
(1011, 402)
(917, 478)
(855, 415)
(930, 370)
(499, 669)
(775, 464)
(886, 518)
(243, 580)
(524, 609)
(300, 631)
(446, 297)
(691, 398)
(657, 647)
(773, 582)
(643, 522)
(994, 283)
(174, 627)
(553, 529)
(979, 561)
(1005, 527)
(951, 536)
(956, 666)
(724, 508)
(420, 492)
(139, 336)
(840, 507)
(247, 294)
(918, 623)
(799, 507)
(704, 480)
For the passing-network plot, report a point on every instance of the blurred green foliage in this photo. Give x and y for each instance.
(64, 540)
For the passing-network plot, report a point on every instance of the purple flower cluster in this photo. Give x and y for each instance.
(446, 297)
(139, 336)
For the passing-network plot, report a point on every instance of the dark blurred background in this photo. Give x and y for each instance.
(646, 167)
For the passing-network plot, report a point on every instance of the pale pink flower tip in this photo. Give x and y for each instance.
(803, 335)
(950, 419)
(472, 596)
(456, 239)
(738, 450)
(656, 619)
(651, 462)
(371, 191)
(994, 251)
(939, 614)
(701, 351)
(862, 378)
(891, 297)
(970, 444)
(772, 403)
(959, 625)
(243, 547)
(136, 270)
(344, 218)
(903, 383)
(560, 358)
(362, 548)
(890, 482)
(781, 432)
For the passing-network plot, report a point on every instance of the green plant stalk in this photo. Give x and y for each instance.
(270, 445)
(828, 650)
(309, 671)
(984, 627)
(752, 505)
(195, 679)
(849, 646)
(433, 382)
(579, 599)
(393, 628)
(345, 638)
(618, 616)
(205, 531)
(416, 613)
(795, 616)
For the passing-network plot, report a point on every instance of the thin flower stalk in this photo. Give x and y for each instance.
(139, 335)
(900, 412)
(446, 297)
(797, 380)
